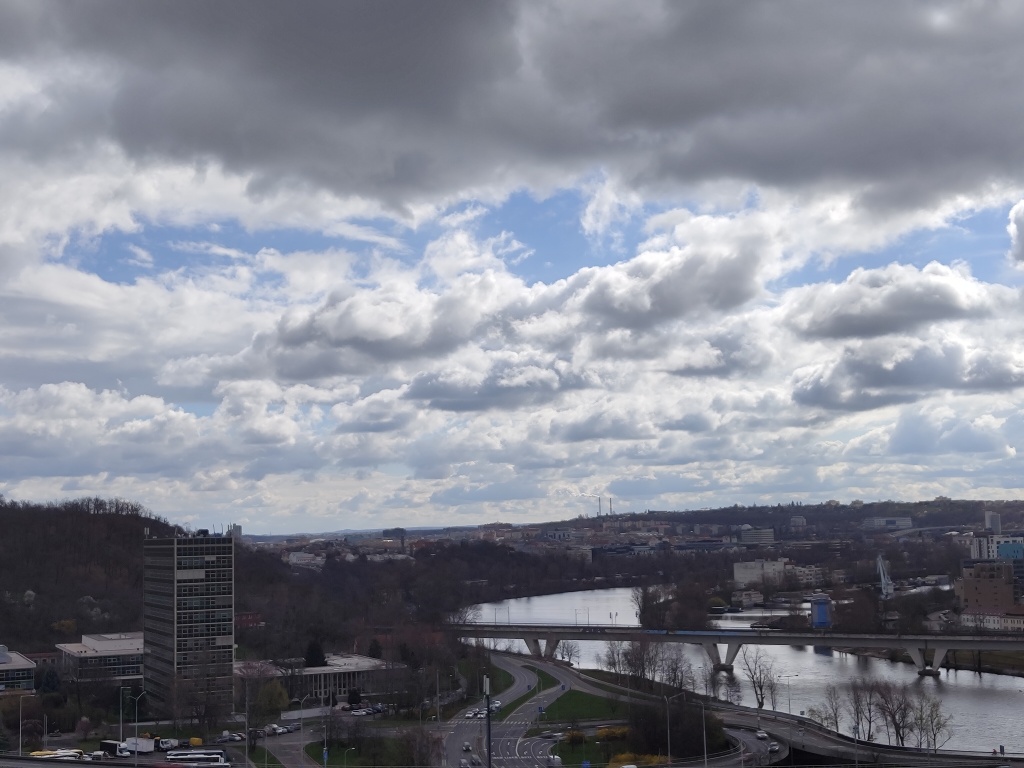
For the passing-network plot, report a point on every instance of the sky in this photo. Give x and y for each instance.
(313, 266)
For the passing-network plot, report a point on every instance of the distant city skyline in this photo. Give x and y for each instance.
(345, 265)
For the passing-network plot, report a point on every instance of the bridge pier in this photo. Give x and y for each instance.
(547, 651)
(711, 648)
(923, 668)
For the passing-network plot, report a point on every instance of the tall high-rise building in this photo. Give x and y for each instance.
(188, 622)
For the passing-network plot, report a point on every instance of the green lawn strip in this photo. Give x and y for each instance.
(544, 680)
(573, 755)
(378, 751)
(512, 706)
(500, 679)
(579, 705)
(262, 756)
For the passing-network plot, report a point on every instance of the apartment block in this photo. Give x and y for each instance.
(188, 620)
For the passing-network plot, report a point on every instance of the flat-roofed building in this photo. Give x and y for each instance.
(17, 672)
(188, 620)
(116, 657)
(342, 673)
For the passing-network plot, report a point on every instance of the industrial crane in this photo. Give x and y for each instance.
(885, 581)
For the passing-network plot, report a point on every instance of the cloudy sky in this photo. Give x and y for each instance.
(321, 265)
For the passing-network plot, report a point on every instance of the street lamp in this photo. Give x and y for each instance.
(120, 712)
(703, 732)
(302, 708)
(668, 725)
(136, 698)
(21, 700)
(789, 692)
(789, 708)
(325, 738)
(345, 759)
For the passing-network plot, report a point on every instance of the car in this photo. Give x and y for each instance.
(773, 746)
(475, 760)
(761, 735)
(222, 740)
(466, 747)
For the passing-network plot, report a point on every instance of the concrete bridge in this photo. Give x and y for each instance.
(927, 651)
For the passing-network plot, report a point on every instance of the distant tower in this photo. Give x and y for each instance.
(188, 609)
(993, 522)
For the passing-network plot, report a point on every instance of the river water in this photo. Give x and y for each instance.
(986, 708)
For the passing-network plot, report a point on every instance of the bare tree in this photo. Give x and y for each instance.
(773, 691)
(896, 708)
(468, 614)
(569, 651)
(833, 706)
(613, 656)
(757, 668)
(709, 680)
(641, 659)
(932, 726)
(676, 669)
(733, 691)
(862, 706)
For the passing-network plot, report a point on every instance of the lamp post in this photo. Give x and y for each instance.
(789, 709)
(345, 759)
(703, 732)
(668, 726)
(136, 698)
(789, 692)
(21, 700)
(325, 740)
(302, 708)
(120, 712)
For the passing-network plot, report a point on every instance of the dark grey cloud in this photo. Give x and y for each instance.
(900, 101)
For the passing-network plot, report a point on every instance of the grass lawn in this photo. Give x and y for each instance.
(577, 705)
(544, 680)
(261, 756)
(378, 751)
(589, 750)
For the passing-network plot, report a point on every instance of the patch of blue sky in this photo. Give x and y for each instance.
(979, 240)
(122, 257)
(550, 229)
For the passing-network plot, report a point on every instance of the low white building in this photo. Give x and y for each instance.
(17, 672)
(116, 657)
(769, 572)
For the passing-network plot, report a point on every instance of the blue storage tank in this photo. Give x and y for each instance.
(821, 612)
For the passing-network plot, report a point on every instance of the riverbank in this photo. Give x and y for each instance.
(983, 662)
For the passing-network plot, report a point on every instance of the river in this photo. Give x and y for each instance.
(985, 707)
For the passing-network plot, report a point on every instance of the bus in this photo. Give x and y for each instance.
(60, 754)
(198, 757)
